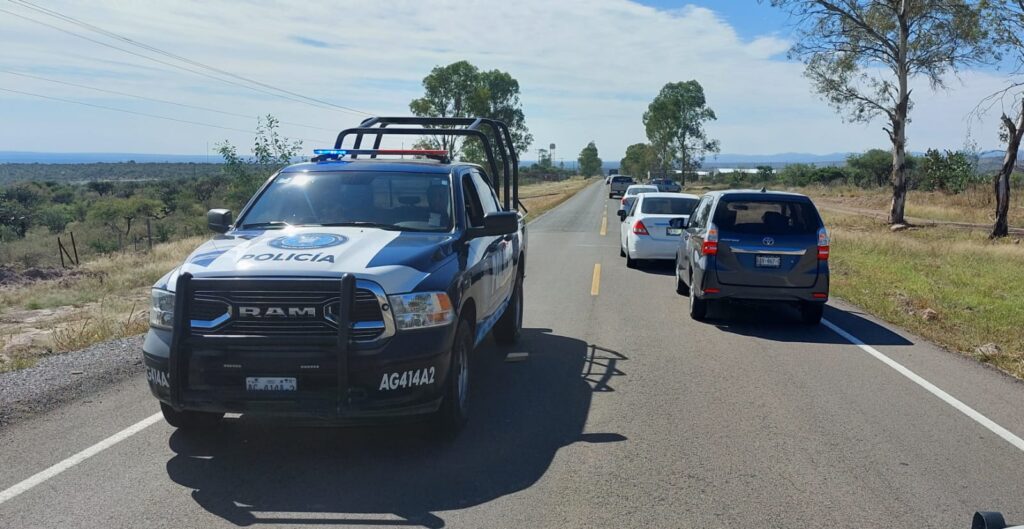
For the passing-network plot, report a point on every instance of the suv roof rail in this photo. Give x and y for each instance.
(493, 135)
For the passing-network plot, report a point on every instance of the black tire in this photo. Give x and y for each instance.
(681, 287)
(698, 307)
(510, 326)
(190, 420)
(454, 410)
(622, 252)
(611, 195)
(811, 313)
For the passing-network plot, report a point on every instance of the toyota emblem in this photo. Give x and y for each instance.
(768, 241)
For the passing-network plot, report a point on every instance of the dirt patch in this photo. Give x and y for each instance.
(11, 277)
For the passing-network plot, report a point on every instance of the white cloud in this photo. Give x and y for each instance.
(587, 68)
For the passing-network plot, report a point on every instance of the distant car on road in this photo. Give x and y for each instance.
(667, 185)
(754, 245)
(645, 232)
(637, 189)
(619, 185)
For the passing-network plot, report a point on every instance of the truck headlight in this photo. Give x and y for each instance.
(161, 309)
(421, 310)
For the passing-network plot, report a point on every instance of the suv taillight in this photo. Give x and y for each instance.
(823, 244)
(710, 246)
(639, 228)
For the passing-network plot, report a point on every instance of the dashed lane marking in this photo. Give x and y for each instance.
(595, 284)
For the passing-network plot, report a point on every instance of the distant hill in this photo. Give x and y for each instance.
(102, 157)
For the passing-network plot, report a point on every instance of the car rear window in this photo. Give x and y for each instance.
(621, 179)
(778, 217)
(668, 206)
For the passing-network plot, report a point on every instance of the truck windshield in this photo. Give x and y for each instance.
(387, 200)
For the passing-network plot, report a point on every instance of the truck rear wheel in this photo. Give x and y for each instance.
(454, 410)
(190, 420)
(510, 325)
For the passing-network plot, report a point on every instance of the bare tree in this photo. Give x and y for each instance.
(862, 54)
(1006, 19)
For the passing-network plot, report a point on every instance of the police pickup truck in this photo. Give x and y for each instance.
(351, 288)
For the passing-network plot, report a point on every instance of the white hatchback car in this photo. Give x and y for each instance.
(645, 232)
(636, 189)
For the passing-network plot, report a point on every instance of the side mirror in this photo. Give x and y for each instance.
(496, 224)
(622, 215)
(679, 223)
(218, 220)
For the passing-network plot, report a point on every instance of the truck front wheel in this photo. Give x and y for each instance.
(454, 410)
(510, 325)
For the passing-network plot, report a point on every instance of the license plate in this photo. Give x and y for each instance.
(767, 261)
(270, 384)
(674, 231)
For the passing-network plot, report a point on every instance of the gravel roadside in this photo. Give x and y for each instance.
(58, 379)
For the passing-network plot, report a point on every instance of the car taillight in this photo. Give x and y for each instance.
(710, 246)
(823, 244)
(639, 228)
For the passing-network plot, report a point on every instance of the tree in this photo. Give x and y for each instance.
(461, 90)
(952, 171)
(270, 152)
(873, 167)
(674, 122)
(861, 55)
(639, 160)
(1006, 18)
(590, 164)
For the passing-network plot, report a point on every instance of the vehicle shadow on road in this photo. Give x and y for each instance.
(251, 471)
(659, 267)
(781, 323)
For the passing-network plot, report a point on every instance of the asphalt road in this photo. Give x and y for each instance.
(625, 414)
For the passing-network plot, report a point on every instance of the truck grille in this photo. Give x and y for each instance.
(282, 308)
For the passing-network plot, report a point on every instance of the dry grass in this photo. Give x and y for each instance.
(107, 300)
(542, 196)
(976, 205)
(973, 284)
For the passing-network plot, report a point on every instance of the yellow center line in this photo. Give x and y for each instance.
(595, 285)
(604, 226)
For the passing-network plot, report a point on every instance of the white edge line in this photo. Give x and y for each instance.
(70, 462)
(932, 388)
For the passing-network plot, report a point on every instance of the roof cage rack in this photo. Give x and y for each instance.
(494, 136)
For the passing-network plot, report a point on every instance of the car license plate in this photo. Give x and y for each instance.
(674, 231)
(767, 261)
(270, 384)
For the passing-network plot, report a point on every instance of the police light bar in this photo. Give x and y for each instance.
(337, 153)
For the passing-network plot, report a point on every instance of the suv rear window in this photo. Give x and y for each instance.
(777, 217)
(621, 179)
(668, 206)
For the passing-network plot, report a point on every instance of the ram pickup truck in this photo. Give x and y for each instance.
(351, 288)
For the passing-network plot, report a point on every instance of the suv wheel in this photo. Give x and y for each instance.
(190, 420)
(611, 195)
(811, 313)
(630, 262)
(510, 326)
(698, 307)
(681, 288)
(454, 410)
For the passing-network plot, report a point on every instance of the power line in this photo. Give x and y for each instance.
(154, 49)
(172, 65)
(145, 98)
(145, 114)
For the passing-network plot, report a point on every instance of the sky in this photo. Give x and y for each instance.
(587, 69)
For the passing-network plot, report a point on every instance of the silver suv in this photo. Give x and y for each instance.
(754, 245)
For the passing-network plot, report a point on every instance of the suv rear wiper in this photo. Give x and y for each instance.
(272, 224)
